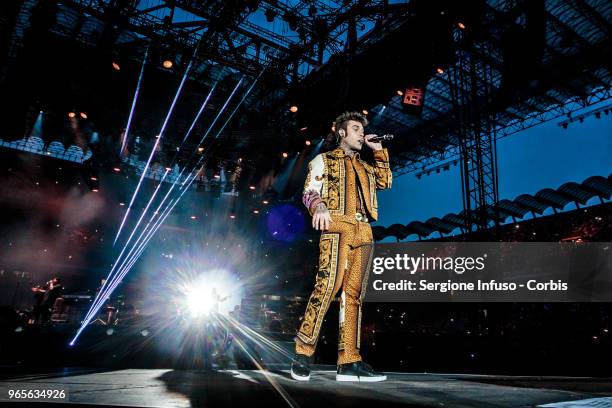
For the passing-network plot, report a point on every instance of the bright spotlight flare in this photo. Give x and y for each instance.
(185, 188)
(178, 178)
(123, 271)
(117, 262)
(158, 139)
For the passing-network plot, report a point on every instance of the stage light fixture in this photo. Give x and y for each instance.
(116, 169)
(255, 211)
(200, 149)
(93, 178)
(251, 187)
(71, 115)
(83, 115)
(304, 129)
(232, 216)
(293, 108)
(116, 66)
(308, 143)
(95, 190)
(122, 204)
(193, 217)
(461, 25)
(439, 70)
(285, 155)
(400, 93)
(413, 97)
(364, 111)
(265, 202)
(167, 63)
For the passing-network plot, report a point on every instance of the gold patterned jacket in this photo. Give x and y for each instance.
(326, 181)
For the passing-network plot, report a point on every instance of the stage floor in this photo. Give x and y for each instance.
(250, 388)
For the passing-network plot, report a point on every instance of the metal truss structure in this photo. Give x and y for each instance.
(512, 70)
(574, 73)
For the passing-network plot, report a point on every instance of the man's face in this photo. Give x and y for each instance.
(354, 136)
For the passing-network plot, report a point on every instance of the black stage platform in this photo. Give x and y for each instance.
(251, 388)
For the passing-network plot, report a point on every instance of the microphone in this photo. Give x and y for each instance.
(381, 138)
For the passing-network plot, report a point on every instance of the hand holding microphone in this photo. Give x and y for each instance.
(373, 141)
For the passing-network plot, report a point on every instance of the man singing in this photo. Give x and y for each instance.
(340, 194)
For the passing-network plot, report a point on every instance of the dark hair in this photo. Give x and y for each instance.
(341, 122)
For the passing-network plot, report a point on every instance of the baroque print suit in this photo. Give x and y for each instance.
(347, 186)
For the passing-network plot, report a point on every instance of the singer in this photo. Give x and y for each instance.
(340, 194)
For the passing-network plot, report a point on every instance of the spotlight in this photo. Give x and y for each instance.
(364, 111)
(232, 216)
(116, 169)
(285, 155)
(270, 14)
(71, 115)
(200, 149)
(439, 70)
(333, 128)
(116, 66)
(144, 333)
(308, 143)
(83, 115)
(193, 217)
(255, 211)
(461, 25)
(167, 63)
(400, 93)
(265, 202)
(293, 108)
(251, 187)
(95, 190)
(122, 204)
(304, 129)
(93, 178)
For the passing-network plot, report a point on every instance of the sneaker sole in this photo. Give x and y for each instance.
(299, 377)
(354, 378)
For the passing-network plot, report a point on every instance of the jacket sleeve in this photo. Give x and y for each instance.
(382, 170)
(313, 187)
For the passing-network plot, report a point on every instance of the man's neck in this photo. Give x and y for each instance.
(347, 150)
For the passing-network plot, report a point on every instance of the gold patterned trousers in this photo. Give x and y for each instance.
(345, 252)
